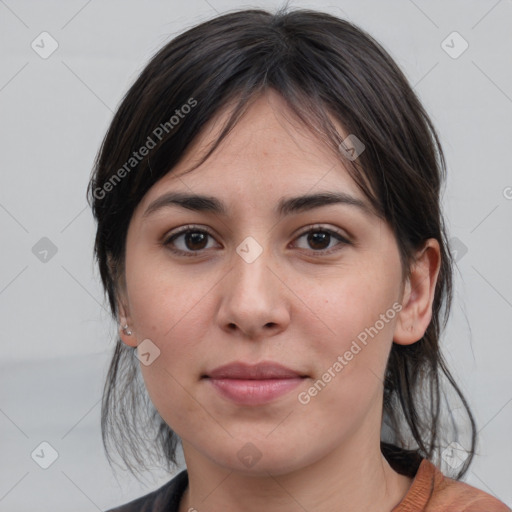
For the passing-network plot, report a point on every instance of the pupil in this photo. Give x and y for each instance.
(318, 238)
(192, 240)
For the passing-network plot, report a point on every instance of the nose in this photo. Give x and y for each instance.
(254, 302)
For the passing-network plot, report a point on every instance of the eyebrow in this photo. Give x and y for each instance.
(286, 206)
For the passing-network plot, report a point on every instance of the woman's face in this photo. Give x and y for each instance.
(311, 286)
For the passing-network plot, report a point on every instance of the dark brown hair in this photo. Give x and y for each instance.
(325, 68)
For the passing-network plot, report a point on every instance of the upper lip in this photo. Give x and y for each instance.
(264, 370)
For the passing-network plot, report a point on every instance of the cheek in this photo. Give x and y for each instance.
(352, 303)
(175, 313)
(164, 300)
(353, 332)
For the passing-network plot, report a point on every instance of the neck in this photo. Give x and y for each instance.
(347, 479)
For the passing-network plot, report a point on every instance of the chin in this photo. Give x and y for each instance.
(261, 457)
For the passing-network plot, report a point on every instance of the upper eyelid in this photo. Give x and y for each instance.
(168, 237)
(301, 231)
(314, 227)
(320, 227)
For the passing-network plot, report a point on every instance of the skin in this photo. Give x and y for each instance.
(295, 305)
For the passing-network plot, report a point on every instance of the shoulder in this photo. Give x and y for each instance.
(163, 499)
(453, 495)
(431, 491)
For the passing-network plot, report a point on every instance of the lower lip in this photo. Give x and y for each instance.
(254, 392)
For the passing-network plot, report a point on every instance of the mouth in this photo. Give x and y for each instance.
(258, 384)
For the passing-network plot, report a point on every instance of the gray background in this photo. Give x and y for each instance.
(55, 328)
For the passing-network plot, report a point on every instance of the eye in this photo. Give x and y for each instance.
(192, 240)
(321, 239)
(188, 240)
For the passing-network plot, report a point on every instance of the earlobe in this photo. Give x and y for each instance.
(418, 297)
(125, 328)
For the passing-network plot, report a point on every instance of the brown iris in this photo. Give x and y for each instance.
(318, 239)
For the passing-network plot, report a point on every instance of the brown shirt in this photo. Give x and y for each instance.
(430, 491)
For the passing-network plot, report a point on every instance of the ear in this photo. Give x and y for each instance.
(123, 311)
(125, 319)
(418, 295)
(127, 335)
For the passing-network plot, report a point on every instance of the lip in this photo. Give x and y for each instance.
(258, 384)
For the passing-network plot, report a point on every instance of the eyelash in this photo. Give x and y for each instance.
(313, 229)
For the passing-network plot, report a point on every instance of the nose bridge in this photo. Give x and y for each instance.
(251, 299)
(250, 272)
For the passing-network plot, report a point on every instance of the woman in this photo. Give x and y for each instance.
(271, 242)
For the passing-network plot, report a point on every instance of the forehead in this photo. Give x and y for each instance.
(267, 150)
